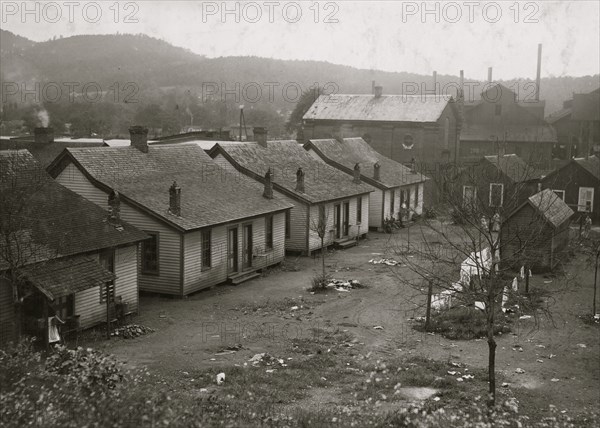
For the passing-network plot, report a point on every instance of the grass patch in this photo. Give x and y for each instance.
(464, 323)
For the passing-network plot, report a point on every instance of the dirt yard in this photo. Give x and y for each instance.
(361, 330)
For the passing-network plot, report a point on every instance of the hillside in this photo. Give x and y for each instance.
(164, 72)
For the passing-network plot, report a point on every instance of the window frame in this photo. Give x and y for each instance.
(109, 266)
(269, 232)
(583, 208)
(501, 195)
(204, 252)
(472, 202)
(143, 269)
(359, 210)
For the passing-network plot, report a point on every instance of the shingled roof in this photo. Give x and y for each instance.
(356, 150)
(51, 221)
(386, 108)
(209, 194)
(552, 208)
(590, 164)
(511, 133)
(514, 167)
(322, 182)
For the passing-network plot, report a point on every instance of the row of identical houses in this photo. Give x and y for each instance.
(104, 223)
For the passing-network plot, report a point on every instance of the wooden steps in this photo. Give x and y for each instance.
(345, 243)
(242, 277)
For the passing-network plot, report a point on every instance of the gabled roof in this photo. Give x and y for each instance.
(51, 221)
(46, 153)
(552, 208)
(511, 133)
(591, 164)
(356, 150)
(386, 108)
(209, 195)
(556, 116)
(322, 182)
(513, 167)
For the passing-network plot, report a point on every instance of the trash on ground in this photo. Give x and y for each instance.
(519, 370)
(384, 261)
(343, 284)
(378, 327)
(220, 378)
(554, 379)
(582, 345)
(525, 317)
(131, 331)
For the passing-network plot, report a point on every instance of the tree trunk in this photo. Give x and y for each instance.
(491, 345)
(428, 313)
(323, 255)
(18, 308)
(595, 284)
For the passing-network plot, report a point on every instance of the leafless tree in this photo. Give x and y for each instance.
(320, 226)
(474, 238)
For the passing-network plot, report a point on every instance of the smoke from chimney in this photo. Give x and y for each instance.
(43, 118)
(538, 74)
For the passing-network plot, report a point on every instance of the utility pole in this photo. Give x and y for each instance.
(595, 281)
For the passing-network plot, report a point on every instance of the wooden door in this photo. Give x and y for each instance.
(232, 250)
(247, 248)
(336, 221)
(346, 220)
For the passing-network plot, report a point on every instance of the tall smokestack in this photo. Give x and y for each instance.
(43, 135)
(538, 74)
(462, 83)
(490, 75)
(434, 82)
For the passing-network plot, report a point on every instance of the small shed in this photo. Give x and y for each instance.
(536, 233)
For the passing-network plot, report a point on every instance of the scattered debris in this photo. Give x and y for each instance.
(267, 360)
(525, 317)
(519, 370)
(505, 384)
(378, 327)
(384, 261)
(539, 360)
(230, 349)
(220, 378)
(554, 379)
(582, 345)
(343, 285)
(131, 331)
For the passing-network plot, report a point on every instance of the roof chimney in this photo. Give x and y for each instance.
(260, 135)
(43, 135)
(139, 138)
(268, 193)
(300, 180)
(376, 169)
(378, 91)
(462, 84)
(114, 208)
(356, 174)
(538, 74)
(175, 199)
(489, 75)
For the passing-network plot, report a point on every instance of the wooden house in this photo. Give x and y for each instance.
(319, 192)
(405, 128)
(395, 184)
(578, 183)
(206, 226)
(536, 233)
(496, 183)
(66, 253)
(500, 118)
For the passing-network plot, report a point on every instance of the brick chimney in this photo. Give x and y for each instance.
(376, 174)
(300, 180)
(175, 199)
(268, 193)
(260, 136)
(114, 208)
(356, 174)
(43, 135)
(139, 138)
(378, 91)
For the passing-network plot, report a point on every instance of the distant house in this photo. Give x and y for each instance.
(405, 128)
(497, 183)
(536, 233)
(67, 252)
(577, 183)
(318, 191)
(395, 184)
(577, 126)
(500, 118)
(206, 226)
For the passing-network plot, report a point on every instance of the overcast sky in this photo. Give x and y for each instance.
(385, 35)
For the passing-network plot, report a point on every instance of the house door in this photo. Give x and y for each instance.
(232, 250)
(346, 222)
(247, 249)
(336, 220)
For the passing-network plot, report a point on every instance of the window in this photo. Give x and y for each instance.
(496, 194)
(150, 254)
(359, 209)
(269, 232)
(206, 249)
(498, 110)
(408, 143)
(586, 199)
(469, 196)
(560, 194)
(288, 224)
(416, 195)
(107, 261)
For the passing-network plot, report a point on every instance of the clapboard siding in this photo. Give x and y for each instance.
(315, 241)
(375, 213)
(196, 279)
(169, 280)
(387, 199)
(126, 271)
(7, 313)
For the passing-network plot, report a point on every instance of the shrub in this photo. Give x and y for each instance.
(463, 322)
(429, 213)
(319, 282)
